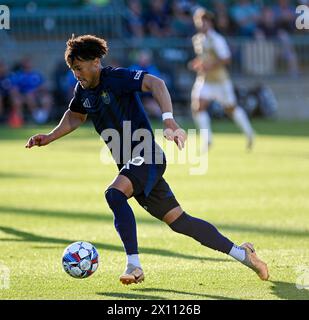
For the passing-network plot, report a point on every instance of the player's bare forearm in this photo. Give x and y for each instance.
(160, 93)
(69, 122)
(199, 65)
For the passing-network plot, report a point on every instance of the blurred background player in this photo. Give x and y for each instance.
(213, 82)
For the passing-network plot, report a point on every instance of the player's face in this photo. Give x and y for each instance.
(202, 25)
(87, 72)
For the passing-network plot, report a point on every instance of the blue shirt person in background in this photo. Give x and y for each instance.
(32, 91)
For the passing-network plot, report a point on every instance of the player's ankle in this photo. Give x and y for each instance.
(134, 260)
(238, 253)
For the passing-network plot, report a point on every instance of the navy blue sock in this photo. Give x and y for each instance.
(124, 219)
(203, 232)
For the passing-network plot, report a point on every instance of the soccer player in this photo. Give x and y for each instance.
(109, 97)
(213, 82)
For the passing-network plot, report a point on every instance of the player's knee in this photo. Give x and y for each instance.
(182, 224)
(114, 197)
(173, 214)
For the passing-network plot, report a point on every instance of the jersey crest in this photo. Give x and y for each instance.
(105, 97)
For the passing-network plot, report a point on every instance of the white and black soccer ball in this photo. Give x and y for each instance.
(80, 259)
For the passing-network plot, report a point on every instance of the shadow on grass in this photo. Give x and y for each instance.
(71, 215)
(275, 232)
(288, 291)
(135, 296)
(130, 296)
(11, 175)
(262, 127)
(192, 294)
(269, 128)
(23, 236)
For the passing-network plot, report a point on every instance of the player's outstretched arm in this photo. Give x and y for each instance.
(157, 87)
(69, 122)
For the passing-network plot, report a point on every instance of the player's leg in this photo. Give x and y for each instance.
(235, 112)
(198, 229)
(162, 204)
(208, 235)
(199, 106)
(117, 194)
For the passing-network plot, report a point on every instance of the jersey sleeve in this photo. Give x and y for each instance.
(221, 47)
(125, 81)
(75, 104)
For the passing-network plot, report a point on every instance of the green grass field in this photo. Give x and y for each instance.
(52, 196)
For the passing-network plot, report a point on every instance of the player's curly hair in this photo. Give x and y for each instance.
(85, 47)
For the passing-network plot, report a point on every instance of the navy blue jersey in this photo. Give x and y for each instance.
(114, 104)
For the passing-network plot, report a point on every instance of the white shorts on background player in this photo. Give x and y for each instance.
(216, 84)
(223, 92)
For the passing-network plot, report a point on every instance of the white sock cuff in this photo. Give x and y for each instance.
(133, 259)
(238, 253)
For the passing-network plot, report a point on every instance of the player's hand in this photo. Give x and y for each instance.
(38, 140)
(196, 65)
(173, 132)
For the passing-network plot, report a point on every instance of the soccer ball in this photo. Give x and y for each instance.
(80, 259)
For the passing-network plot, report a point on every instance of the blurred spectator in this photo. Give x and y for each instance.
(284, 14)
(32, 92)
(223, 22)
(157, 19)
(144, 62)
(5, 87)
(58, 77)
(246, 16)
(112, 61)
(134, 19)
(181, 21)
(9, 108)
(268, 28)
(64, 83)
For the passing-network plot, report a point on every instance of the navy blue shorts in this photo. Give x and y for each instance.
(151, 190)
